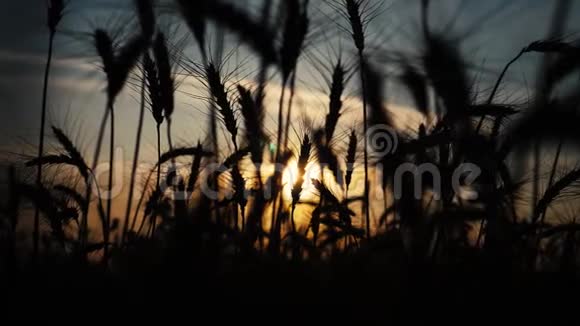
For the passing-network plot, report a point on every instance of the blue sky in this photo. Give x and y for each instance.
(496, 30)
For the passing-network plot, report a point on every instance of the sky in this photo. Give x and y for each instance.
(491, 33)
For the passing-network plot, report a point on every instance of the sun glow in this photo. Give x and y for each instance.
(290, 175)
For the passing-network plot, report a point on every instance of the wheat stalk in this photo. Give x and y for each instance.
(253, 115)
(165, 81)
(55, 12)
(358, 35)
(239, 187)
(195, 166)
(254, 119)
(166, 91)
(117, 67)
(547, 46)
(255, 34)
(416, 84)
(293, 38)
(326, 155)
(134, 167)
(104, 46)
(154, 90)
(354, 16)
(146, 15)
(182, 151)
(194, 16)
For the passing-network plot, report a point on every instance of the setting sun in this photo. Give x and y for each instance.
(290, 175)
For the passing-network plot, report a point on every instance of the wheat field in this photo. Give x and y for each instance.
(295, 195)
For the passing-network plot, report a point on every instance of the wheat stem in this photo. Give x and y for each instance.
(292, 218)
(542, 213)
(496, 87)
(280, 121)
(106, 231)
(135, 162)
(36, 232)
(154, 217)
(289, 113)
(365, 147)
(277, 174)
(83, 230)
(553, 172)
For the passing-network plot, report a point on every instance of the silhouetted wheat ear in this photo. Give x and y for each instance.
(67, 144)
(563, 66)
(494, 110)
(256, 35)
(566, 63)
(254, 119)
(124, 62)
(417, 86)
(166, 82)
(326, 155)
(146, 15)
(235, 157)
(117, 68)
(194, 12)
(51, 160)
(72, 193)
(55, 13)
(294, 34)
(547, 46)
(446, 70)
(153, 88)
(218, 90)
(182, 151)
(354, 16)
(104, 46)
(556, 189)
(303, 158)
(153, 202)
(55, 213)
(239, 186)
(335, 105)
(325, 194)
(72, 151)
(374, 93)
(558, 69)
(350, 158)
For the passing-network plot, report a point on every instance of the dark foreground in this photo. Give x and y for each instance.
(348, 290)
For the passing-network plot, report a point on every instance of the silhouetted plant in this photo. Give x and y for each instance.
(335, 103)
(433, 231)
(303, 158)
(354, 14)
(219, 92)
(56, 10)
